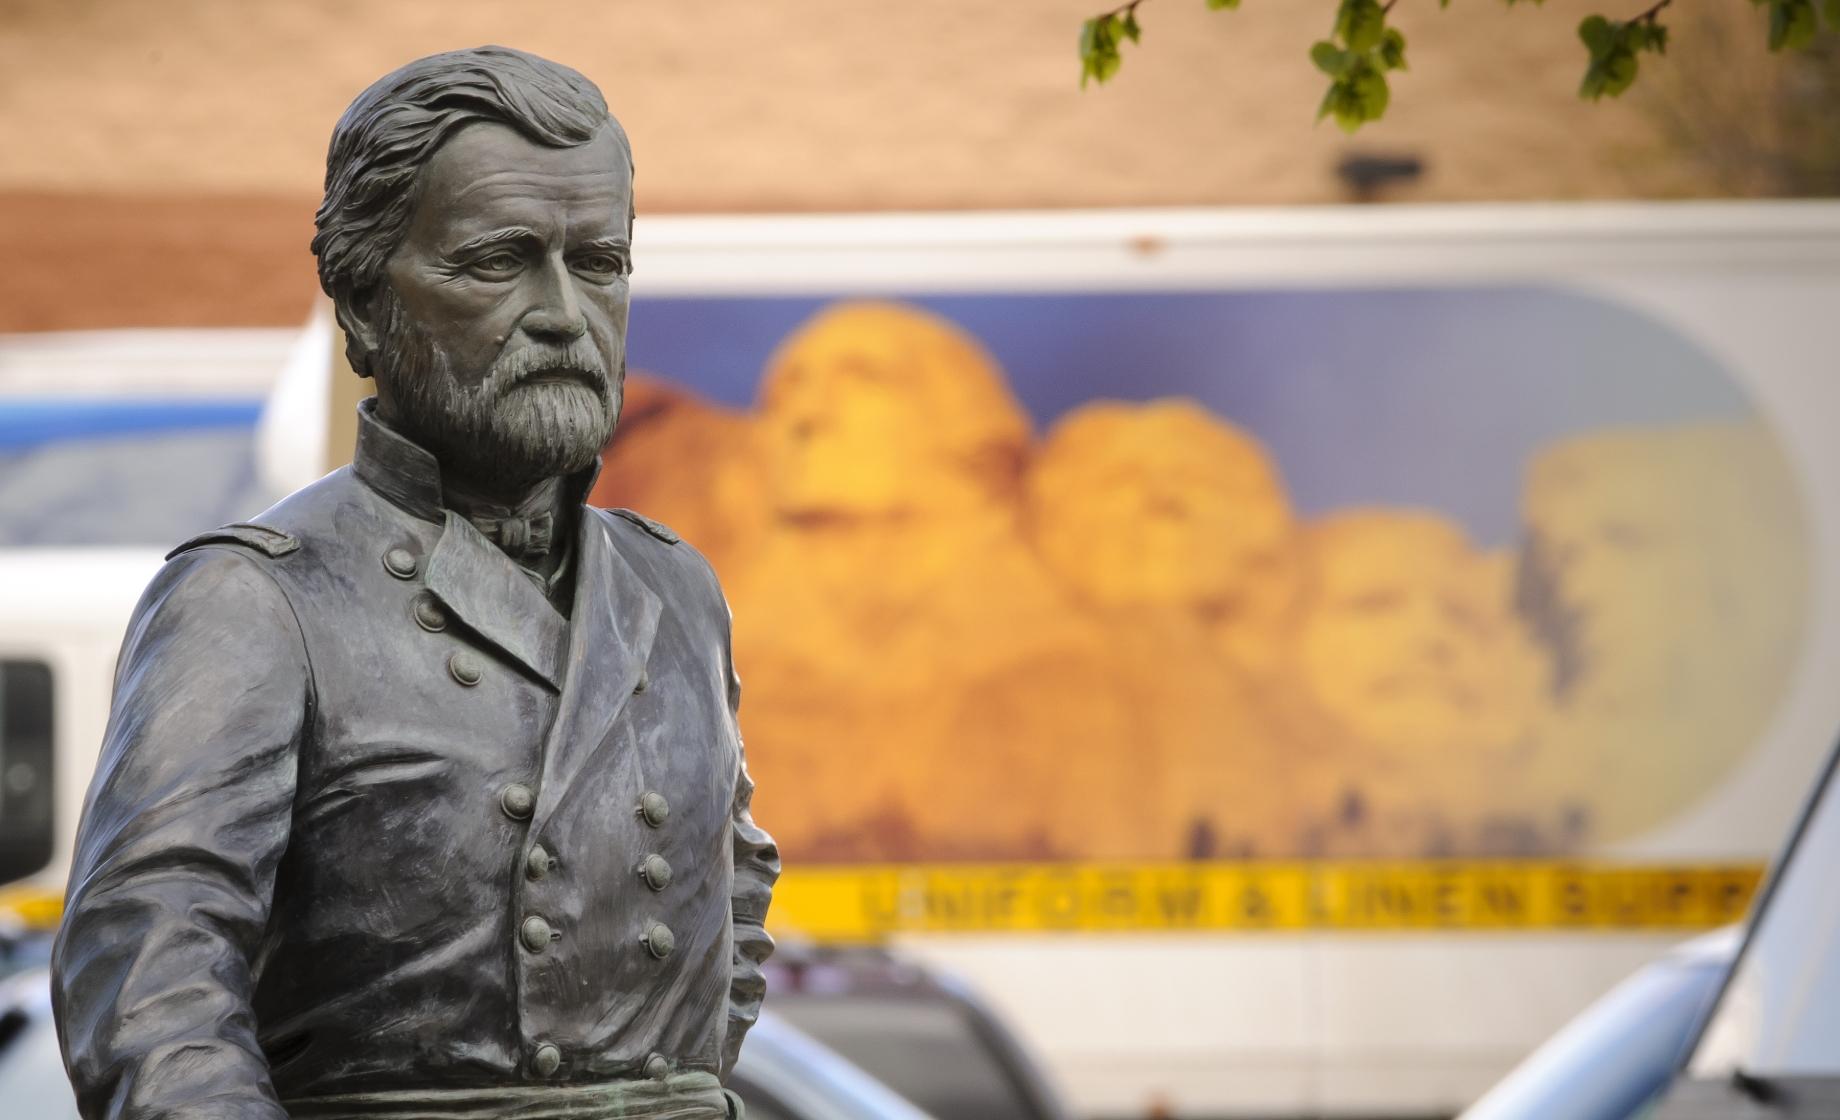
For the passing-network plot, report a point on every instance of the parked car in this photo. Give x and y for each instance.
(1618, 1054)
(783, 1073)
(1771, 1046)
(918, 1030)
(1735, 1024)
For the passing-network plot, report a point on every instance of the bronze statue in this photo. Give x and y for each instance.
(423, 794)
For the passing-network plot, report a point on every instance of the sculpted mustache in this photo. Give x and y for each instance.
(579, 357)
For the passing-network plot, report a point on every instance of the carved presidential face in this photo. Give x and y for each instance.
(500, 325)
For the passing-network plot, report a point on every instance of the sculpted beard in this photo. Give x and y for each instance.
(542, 410)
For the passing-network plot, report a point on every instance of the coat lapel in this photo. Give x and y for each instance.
(483, 588)
(611, 627)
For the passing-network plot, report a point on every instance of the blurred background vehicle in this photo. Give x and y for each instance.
(926, 1034)
(1615, 1058)
(1771, 1046)
(1737, 1022)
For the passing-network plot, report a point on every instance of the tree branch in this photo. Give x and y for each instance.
(1653, 11)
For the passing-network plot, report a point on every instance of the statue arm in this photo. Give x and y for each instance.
(174, 871)
(756, 869)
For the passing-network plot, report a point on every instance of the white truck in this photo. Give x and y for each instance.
(1338, 1009)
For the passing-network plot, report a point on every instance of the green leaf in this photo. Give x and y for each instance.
(1328, 101)
(1393, 50)
(1217, 5)
(1099, 58)
(1622, 72)
(1360, 24)
(1330, 59)
(1610, 75)
(1792, 23)
(1371, 92)
(1129, 26)
(1598, 35)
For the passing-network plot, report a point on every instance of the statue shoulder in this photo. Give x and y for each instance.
(270, 542)
(305, 521)
(657, 529)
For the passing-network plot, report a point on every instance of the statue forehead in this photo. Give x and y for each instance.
(487, 165)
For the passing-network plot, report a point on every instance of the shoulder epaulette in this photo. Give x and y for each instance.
(662, 532)
(272, 543)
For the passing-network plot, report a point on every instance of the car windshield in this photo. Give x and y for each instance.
(1621, 1053)
(1780, 1013)
(927, 1051)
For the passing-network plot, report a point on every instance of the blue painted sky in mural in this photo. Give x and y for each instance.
(1416, 397)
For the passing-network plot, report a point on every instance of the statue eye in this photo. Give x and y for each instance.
(498, 264)
(602, 264)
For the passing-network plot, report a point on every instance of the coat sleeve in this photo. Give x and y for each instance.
(174, 869)
(756, 870)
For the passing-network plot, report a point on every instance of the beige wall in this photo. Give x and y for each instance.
(154, 121)
(822, 104)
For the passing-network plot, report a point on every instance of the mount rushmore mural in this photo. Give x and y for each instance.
(1167, 593)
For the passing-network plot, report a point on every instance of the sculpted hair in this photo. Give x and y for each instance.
(380, 144)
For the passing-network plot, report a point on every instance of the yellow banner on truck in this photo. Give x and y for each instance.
(866, 903)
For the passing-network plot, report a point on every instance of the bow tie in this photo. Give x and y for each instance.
(522, 538)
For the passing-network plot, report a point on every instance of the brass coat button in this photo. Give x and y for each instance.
(658, 940)
(546, 1061)
(399, 562)
(465, 668)
(654, 808)
(429, 615)
(517, 801)
(535, 934)
(657, 1067)
(655, 871)
(538, 863)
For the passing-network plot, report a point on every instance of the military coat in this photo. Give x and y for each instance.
(372, 814)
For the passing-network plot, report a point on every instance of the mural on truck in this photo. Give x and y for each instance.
(1211, 575)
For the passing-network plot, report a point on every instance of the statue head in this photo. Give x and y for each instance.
(476, 239)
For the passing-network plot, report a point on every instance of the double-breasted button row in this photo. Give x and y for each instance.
(464, 666)
(655, 871)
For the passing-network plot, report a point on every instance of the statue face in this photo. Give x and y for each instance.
(501, 322)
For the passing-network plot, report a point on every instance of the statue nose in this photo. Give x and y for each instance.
(557, 310)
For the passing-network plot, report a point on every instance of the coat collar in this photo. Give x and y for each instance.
(395, 466)
(409, 475)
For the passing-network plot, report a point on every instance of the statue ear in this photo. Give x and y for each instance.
(356, 313)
